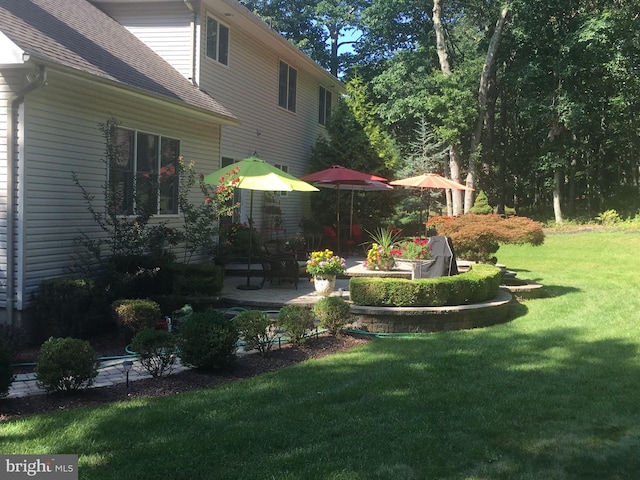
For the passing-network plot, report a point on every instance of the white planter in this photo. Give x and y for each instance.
(324, 284)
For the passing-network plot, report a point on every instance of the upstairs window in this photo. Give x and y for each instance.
(287, 85)
(324, 106)
(217, 41)
(144, 173)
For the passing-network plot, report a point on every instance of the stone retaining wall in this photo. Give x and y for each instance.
(433, 319)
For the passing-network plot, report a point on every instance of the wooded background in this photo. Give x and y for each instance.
(534, 102)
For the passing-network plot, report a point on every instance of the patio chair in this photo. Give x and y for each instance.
(280, 266)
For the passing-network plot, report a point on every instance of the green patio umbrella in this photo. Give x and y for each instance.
(256, 174)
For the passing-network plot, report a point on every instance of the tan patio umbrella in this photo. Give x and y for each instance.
(429, 180)
(256, 174)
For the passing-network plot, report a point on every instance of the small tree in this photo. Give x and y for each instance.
(481, 205)
(478, 237)
(201, 220)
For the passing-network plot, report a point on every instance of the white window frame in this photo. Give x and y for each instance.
(287, 86)
(131, 175)
(221, 49)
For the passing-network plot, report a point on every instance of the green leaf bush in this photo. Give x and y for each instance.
(66, 365)
(208, 341)
(256, 329)
(156, 351)
(295, 321)
(6, 369)
(479, 284)
(333, 313)
(133, 315)
(192, 279)
(63, 306)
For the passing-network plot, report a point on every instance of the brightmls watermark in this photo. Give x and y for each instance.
(50, 467)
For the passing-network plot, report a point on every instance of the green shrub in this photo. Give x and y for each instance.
(208, 341)
(256, 329)
(6, 370)
(481, 205)
(66, 365)
(138, 276)
(63, 306)
(133, 315)
(479, 284)
(191, 279)
(156, 351)
(295, 321)
(333, 313)
(609, 217)
(14, 336)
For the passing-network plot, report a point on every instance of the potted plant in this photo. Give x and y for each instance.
(379, 254)
(323, 265)
(413, 254)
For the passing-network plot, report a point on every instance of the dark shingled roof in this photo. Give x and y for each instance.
(76, 34)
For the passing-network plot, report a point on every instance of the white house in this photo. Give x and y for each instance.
(206, 80)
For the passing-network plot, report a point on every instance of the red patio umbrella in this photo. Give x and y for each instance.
(340, 176)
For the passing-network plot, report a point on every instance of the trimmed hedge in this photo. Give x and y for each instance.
(479, 284)
(193, 279)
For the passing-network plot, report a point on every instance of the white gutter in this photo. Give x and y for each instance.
(12, 106)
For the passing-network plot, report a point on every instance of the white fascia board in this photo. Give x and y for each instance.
(10, 53)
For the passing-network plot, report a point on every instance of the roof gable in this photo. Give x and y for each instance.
(75, 34)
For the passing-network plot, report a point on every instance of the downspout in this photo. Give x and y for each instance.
(12, 106)
(194, 40)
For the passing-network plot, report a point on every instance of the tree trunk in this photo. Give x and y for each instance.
(483, 89)
(441, 48)
(454, 200)
(557, 184)
(454, 165)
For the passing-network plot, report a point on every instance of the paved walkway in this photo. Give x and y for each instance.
(271, 296)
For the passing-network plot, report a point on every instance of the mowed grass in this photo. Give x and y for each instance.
(553, 394)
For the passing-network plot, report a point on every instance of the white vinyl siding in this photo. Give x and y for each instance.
(165, 27)
(249, 88)
(62, 136)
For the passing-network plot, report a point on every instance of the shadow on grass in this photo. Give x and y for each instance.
(488, 403)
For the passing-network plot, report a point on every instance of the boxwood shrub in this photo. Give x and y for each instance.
(193, 279)
(208, 341)
(66, 365)
(479, 284)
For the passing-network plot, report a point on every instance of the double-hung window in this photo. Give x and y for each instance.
(324, 106)
(217, 41)
(287, 86)
(143, 173)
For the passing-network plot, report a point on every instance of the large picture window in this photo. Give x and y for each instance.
(287, 85)
(217, 41)
(324, 106)
(143, 173)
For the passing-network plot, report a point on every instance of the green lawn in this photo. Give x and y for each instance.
(554, 394)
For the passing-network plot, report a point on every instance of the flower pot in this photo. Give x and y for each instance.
(324, 284)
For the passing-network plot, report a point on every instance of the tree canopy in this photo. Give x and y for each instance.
(535, 99)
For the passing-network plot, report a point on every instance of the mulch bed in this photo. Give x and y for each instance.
(246, 366)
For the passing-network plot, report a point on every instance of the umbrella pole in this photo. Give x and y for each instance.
(338, 215)
(248, 285)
